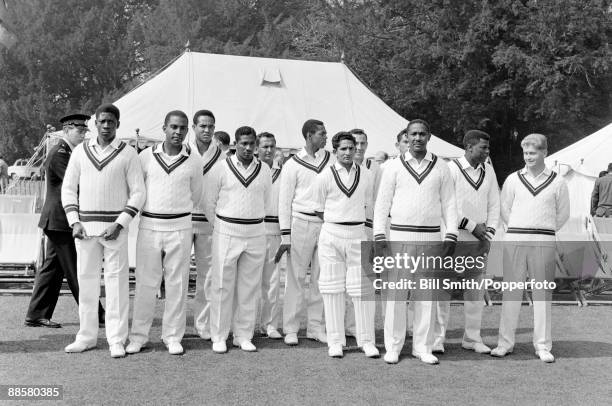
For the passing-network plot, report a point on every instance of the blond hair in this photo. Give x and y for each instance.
(538, 141)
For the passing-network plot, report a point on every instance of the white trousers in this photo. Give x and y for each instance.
(202, 243)
(270, 286)
(160, 253)
(304, 237)
(90, 254)
(395, 311)
(539, 263)
(473, 303)
(340, 261)
(237, 266)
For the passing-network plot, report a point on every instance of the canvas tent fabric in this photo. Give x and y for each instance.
(580, 164)
(274, 95)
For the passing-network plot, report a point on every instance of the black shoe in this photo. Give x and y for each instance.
(42, 323)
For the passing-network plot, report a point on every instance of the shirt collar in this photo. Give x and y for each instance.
(94, 141)
(465, 164)
(159, 148)
(236, 162)
(546, 172)
(408, 157)
(303, 153)
(339, 167)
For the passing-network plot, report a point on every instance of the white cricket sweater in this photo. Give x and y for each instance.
(477, 194)
(102, 186)
(271, 219)
(237, 197)
(418, 197)
(344, 199)
(174, 186)
(296, 196)
(534, 208)
(210, 158)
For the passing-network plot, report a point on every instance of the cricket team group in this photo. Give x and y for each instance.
(241, 213)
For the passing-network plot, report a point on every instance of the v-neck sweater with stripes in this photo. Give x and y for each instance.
(343, 201)
(477, 194)
(296, 194)
(101, 189)
(174, 187)
(238, 200)
(534, 211)
(417, 202)
(211, 157)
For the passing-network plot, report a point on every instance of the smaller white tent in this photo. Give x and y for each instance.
(580, 164)
(274, 95)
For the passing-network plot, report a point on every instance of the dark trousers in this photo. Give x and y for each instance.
(60, 262)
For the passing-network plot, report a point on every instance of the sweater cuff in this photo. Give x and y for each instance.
(467, 224)
(379, 237)
(368, 223)
(72, 213)
(72, 217)
(124, 219)
(452, 237)
(285, 236)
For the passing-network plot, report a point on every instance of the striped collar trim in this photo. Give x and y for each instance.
(100, 164)
(476, 184)
(420, 177)
(157, 153)
(347, 191)
(208, 165)
(249, 179)
(275, 174)
(535, 190)
(312, 167)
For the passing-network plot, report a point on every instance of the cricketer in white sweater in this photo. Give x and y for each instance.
(300, 227)
(103, 186)
(237, 198)
(163, 248)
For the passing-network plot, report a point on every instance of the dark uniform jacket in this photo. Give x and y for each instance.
(53, 216)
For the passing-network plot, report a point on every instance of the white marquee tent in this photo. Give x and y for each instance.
(580, 164)
(275, 95)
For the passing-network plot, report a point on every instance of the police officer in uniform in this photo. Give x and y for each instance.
(60, 258)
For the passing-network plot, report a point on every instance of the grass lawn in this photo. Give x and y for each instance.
(279, 375)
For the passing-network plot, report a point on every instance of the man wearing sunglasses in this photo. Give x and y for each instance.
(60, 257)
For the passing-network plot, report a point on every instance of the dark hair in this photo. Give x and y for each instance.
(356, 131)
(222, 136)
(401, 134)
(473, 137)
(310, 126)
(108, 108)
(265, 135)
(342, 135)
(418, 121)
(610, 167)
(244, 130)
(206, 113)
(175, 113)
(602, 173)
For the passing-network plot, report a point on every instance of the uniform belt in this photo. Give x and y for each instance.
(270, 219)
(307, 214)
(240, 221)
(349, 223)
